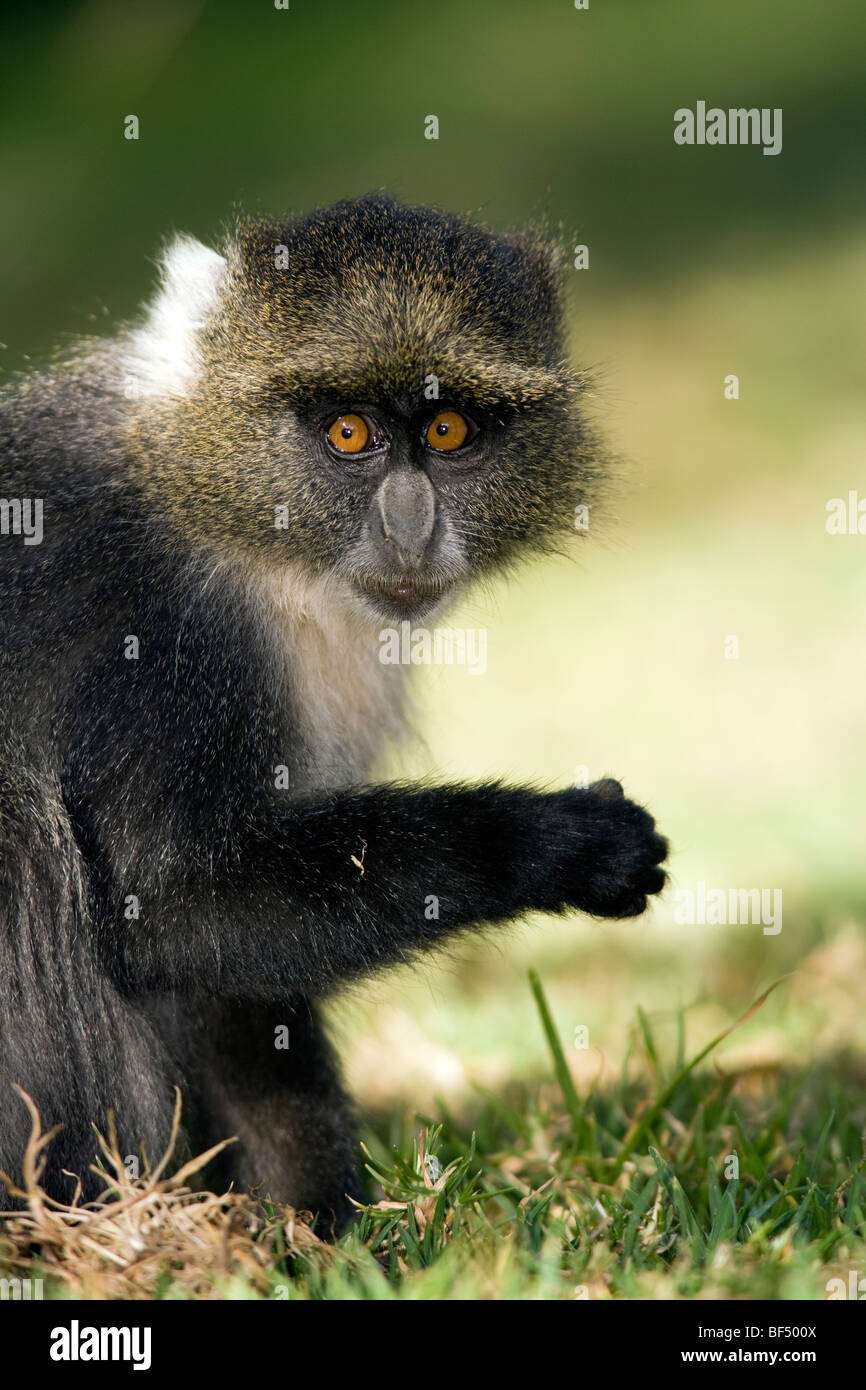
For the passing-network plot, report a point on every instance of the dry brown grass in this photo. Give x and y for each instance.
(145, 1234)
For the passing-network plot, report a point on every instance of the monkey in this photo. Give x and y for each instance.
(327, 425)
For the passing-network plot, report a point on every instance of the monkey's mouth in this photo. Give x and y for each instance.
(403, 595)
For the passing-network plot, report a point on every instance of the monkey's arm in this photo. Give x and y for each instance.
(325, 891)
(205, 877)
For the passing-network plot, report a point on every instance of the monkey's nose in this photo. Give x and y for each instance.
(407, 508)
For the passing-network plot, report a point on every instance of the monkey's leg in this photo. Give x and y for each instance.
(266, 1073)
(79, 1055)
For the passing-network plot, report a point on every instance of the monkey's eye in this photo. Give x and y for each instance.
(352, 434)
(448, 430)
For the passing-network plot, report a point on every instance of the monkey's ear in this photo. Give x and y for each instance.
(545, 251)
(165, 349)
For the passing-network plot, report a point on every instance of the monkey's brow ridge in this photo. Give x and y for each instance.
(490, 384)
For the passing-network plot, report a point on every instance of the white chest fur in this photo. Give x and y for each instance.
(344, 704)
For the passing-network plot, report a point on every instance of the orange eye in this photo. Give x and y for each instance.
(447, 431)
(349, 434)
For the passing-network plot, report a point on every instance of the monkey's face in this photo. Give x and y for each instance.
(411, 498)
(387, 402)
(402, 471)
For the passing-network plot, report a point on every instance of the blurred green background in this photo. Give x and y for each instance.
(703, 262)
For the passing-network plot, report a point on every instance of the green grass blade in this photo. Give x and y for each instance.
(560, 1066)
(641, 1126)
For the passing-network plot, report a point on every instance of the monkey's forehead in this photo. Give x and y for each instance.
(376, 237)
(375, 294)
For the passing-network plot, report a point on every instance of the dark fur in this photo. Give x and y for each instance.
(155, 777)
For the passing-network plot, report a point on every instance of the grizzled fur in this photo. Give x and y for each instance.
(161, 457)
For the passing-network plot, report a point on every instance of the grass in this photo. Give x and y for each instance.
(680, 1181)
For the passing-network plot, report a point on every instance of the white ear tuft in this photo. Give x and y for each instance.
(164, 352)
